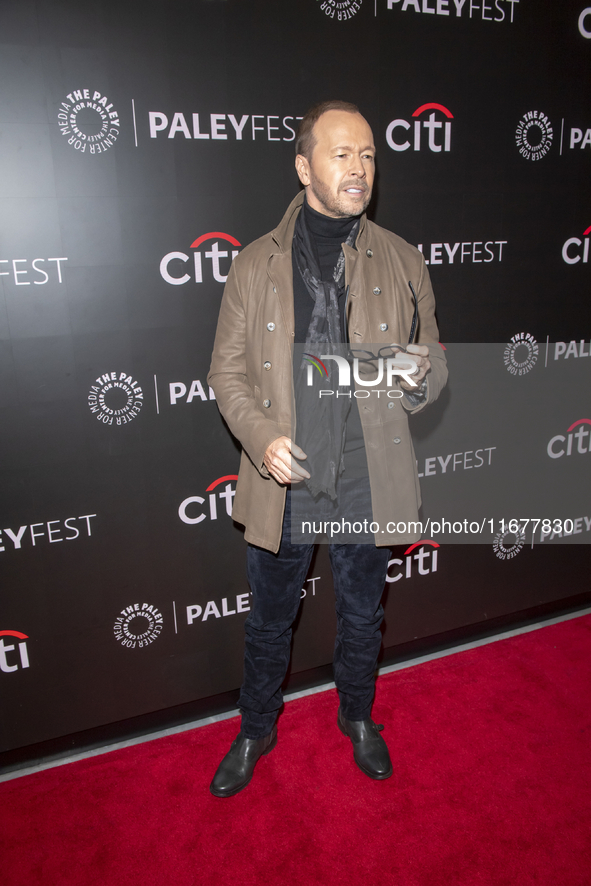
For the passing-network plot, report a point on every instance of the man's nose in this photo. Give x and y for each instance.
(357, 168)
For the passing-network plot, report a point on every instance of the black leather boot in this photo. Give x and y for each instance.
(370, 751)
(235, 770)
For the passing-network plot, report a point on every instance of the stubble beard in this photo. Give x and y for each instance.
(338, 205)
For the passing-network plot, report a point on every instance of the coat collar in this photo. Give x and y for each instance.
(283, 233)
(279, 267)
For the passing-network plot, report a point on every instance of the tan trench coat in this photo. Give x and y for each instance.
(252, 377)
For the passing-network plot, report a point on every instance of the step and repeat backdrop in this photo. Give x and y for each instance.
(142, 146)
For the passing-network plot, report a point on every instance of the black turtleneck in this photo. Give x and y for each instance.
(328, 235)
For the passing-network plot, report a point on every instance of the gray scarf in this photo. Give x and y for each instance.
(320, 421)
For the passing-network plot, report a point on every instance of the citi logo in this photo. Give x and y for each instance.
(556, 446)
(571, 251)
(190, 510)
(426, 561)
(431, 124)
(10, 659)
(214, 255)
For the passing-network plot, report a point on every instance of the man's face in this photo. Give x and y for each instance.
(339, 175)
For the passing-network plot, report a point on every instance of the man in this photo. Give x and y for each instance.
(325, 274)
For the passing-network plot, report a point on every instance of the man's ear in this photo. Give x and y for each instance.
(303, 169)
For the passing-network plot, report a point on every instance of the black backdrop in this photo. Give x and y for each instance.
(141, 145)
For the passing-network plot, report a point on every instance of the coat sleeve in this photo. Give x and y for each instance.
(228, 376)
(429, 335)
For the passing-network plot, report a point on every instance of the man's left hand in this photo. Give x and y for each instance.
(420, 354)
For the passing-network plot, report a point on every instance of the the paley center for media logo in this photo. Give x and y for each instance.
(89, 121)
(521, 354)
(115, 398)
(508, 543)
(138, 625)
(340, 10)
(534, 135)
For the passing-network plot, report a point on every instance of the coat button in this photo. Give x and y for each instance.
(270, 327)
(266, 403)
(274, 289)
(391, 406)
(377, 290)
(266, 365)
(396, 439)
(369, 253)
(383, 327)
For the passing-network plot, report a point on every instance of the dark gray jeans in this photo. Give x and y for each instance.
(276, 580)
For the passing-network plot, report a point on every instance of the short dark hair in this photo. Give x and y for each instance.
(305, 141)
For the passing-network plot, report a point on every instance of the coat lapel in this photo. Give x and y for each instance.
(279, 266)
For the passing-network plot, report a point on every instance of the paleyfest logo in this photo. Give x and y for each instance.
(486, 12)
(534, 135)
(222, 127)
(88, 121)
(115, 398)
(521, 354)
(340, 10)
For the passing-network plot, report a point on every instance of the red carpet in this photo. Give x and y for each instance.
(491, 785)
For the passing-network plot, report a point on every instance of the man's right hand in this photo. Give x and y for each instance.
(280, 461)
